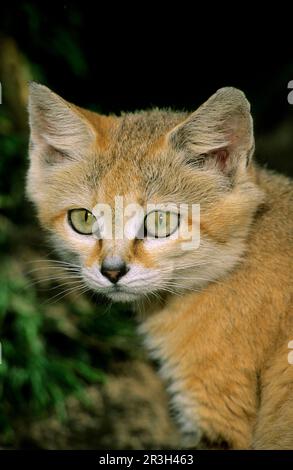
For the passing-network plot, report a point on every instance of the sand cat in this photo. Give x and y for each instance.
(214, 304)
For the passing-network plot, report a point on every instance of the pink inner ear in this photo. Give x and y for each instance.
(221, 156)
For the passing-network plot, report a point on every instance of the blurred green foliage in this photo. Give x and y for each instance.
(49, 350)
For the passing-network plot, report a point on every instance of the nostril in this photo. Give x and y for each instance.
(113, 270)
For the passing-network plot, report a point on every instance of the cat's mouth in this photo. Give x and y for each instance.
(119, 293)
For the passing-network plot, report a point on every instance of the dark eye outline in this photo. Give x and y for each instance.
(70, 221)
(156, 236)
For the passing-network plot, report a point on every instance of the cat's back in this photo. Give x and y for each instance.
(273, 229)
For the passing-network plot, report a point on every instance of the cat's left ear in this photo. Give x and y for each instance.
(57, 127)
(219, 134)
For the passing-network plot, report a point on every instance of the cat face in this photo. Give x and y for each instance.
(139, 170)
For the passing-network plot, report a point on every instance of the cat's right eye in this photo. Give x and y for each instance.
(82, 221)
(161, 224)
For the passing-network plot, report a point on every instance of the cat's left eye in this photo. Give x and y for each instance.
(159, 224)
(82, 221)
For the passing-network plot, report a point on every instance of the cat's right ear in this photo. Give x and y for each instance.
(218, 135)
(58, 129)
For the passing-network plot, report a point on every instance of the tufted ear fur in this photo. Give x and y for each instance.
(218, 134)
(58, 129)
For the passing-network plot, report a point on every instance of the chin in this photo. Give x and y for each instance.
(121, 296)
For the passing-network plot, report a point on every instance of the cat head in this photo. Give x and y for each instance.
(84, 165)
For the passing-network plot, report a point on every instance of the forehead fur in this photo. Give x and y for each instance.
(132, 140)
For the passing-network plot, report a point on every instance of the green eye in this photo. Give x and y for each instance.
(161, 224)
(81, 220)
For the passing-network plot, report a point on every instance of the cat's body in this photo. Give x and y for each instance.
(224, 352)
(217, 317)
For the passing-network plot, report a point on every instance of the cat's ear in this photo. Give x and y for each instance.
(218, 134)
(58, 129)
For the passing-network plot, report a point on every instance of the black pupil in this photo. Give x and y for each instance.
(86, 216)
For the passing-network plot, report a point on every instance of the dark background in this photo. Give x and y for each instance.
(110, 60)
(142, 59)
